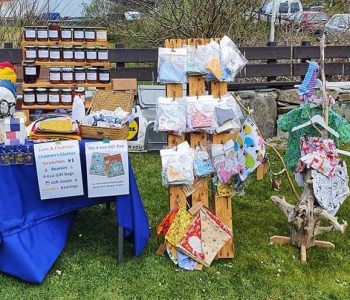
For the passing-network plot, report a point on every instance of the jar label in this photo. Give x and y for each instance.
(80, 76)
(66, 98)
(54, 98)
(30, 71)
(79, 55)
(101, 35)
(30, 53)
(30, 98)
(67, 54)
(78, 34)
(53, 34)
(91, 55)
(55, 54)
(41, 98)
(30, 33)
(90, 35)
(55, 77)
(43, 53)
(42, 34)
(66, 34)
(103, 55)
(104, 76)
(67, 76)
(91, 76)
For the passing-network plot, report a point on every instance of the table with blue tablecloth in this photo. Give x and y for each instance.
(33, 233)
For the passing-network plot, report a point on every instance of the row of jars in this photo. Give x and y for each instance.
(54, 32)
(43, 96)
(66, 53)
(80, 75)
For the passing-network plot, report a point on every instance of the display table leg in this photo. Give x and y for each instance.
(120, 255)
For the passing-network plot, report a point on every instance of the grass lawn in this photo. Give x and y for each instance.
(259, 270)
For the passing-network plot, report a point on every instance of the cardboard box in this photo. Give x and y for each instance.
(124, 84)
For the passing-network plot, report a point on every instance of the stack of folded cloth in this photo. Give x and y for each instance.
(54, 127)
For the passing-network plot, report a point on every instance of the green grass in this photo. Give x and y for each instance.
(259, 270)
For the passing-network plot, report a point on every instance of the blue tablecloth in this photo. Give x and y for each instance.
(33, 233)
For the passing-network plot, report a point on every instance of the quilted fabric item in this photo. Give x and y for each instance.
(178, 227)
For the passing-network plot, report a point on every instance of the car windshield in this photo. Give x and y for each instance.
(318, 17)
(283, 8)
(294, 7)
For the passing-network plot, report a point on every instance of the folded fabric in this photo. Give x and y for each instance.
(178, 227)
(7, 64)
(8, 74)
(9, 85)
(56, 125)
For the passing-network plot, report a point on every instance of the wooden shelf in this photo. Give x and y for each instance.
(52, 107)
(71, 64)
(60, 43)
(45, 83)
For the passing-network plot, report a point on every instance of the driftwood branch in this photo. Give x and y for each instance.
(322, 214)
(284, 206)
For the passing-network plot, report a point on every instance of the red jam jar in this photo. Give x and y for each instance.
(66, 96)
(54, 96)
(78, 34)
(54, 31)
(28, 96)
(67, 53)
(30, 53)
(42, 33)
(30, 72)
(104, 75)
(91, 54)
(102, 54)
(29, 33)
(55, 75)
(43, 53)
(79, 54)
(90, 35)
(42, 96)
(79, 75)
(66, 34)
(67, 75)
(55, 53)
(91, 75)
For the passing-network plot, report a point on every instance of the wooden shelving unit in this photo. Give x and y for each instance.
(45, 83)
(53, 107)
(60, 43)
(72, 64)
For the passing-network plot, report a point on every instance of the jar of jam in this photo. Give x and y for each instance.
(42, 96)
(79, 54)
(43, 53)
(78, 34)
(90, 35)
(54, 96)
(67, 75)
(66, 96)
(67, 53)
(55, 53)
(104, 75)
(91, 75)
(54, 31)
(30, 53)
(91, 54)
(66, 34)
(42, 33)
(55, 75)
(79, 75)
(29, 33)
(28, 96)
(101, 34)
(80, 91)
(102, 54)
(30, 71)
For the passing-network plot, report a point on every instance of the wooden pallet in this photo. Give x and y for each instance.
(222, 205)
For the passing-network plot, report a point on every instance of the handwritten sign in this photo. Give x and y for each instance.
(59, 170)
(107, 168)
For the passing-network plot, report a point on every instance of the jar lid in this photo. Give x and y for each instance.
(29, 27)
(43, 47)
(28, 62)
(105, 69)
(69, 90)
(101, 48)
(68, 47)
(41, 27)
(91, 48)
(92, 69)
(66, 28)
(30, 46)
(54, 90)
(90, 29)
(67, 69)
(78, 28)
(55, 69)
(78, 47)
(28, 90)
(79, 69)
(41, 90)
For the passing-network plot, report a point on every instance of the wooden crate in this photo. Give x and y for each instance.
(222, 205)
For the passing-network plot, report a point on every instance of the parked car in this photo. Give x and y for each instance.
(285, 9)
(312, 21)
(338, 25)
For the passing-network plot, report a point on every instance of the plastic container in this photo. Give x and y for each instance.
(43, 53)
(66, 34)
(79, 75)
(55, 53)
(104, 75)
(91, 54)
(30, 72)
(67, 75)
(90, 35)
(80, 91)
(29, 33)
(102, 54)
(55, 75)
(101, 34)
(66, 96)
(54, 31)
(91, 75)
(28, 96)
(67, 53)
(42, 96)
(42, 33)
(54, 97)
(30, 53)
(78, 34)
(79, 54)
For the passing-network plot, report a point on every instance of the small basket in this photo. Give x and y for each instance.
(108, 100)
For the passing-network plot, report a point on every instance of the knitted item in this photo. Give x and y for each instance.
(306, 88)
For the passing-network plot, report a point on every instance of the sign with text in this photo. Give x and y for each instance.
(107, 168)
(59, 169)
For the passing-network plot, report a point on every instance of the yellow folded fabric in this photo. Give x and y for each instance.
(8, 74)
(43, 136)
(64, 126)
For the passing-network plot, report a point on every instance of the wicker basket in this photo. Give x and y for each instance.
(108, 100)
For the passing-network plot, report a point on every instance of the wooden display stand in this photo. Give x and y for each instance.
(45, 83)
(222, 205)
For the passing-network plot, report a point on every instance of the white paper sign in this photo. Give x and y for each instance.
(59, 169)
(107, 168)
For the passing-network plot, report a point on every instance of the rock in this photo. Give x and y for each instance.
(288, 96)
(246, 94)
